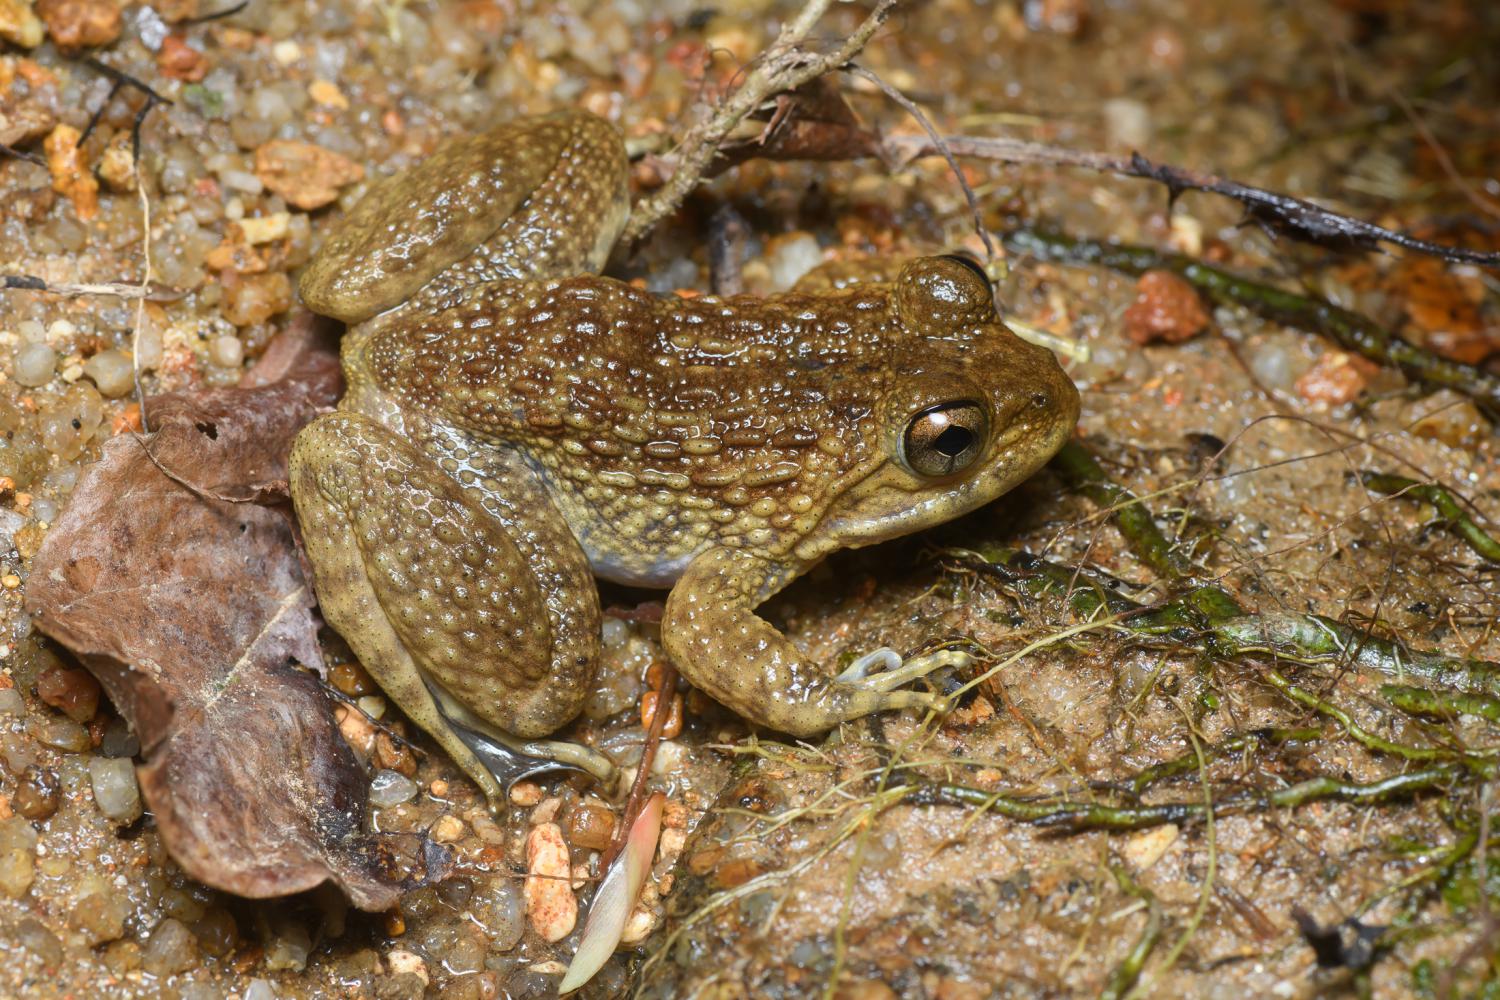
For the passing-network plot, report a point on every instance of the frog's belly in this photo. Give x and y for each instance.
(623, 569)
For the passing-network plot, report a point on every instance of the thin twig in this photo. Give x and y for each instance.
(1280, 213)
(911, 108)
(783, 67)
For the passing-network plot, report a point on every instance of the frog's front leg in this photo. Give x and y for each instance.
(715, 638)
(435, 592)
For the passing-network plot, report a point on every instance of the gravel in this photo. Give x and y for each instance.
(391, 788)
(116, 791)
(171, 948)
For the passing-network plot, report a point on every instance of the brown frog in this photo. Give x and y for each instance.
(516, 424)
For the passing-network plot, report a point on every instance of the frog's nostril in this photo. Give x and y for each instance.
(1041, 400)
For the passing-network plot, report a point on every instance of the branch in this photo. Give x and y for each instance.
(1279, 213)
(783, 67)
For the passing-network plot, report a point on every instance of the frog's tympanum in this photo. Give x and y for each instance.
(516, 424)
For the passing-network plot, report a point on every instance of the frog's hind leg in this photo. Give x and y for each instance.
(718, 642)
(426, 585)
(536, 197)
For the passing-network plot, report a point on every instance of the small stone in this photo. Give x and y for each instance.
(1144, 849)
(74, 692)
(116, 791)
(265, 228)
(170, 949)
(1452, 419)
(590, 826)
(100, 917)
(1337, 378)
(289, 946)
(391, 788)
(355, 728)
(111, 372)
(500, 909)
(254, 298)
(448, 829)
(260, 989)
(180, 61)
(327, 93)
(19, 24)
(1166, 308)
(76, 24)
(18, 841)
(34, 936)
(38, 793)
(226, 351)
(11, 702)
(550, 904)
(547, 811)
(35, 365)
(306, 175)
(403, 962)
(638, 926)
(525, 794)
(60, 733)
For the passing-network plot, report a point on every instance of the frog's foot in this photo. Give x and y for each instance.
(510, 760)
(721, 646)
(894, 672)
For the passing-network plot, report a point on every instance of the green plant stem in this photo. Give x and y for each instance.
(1448, 508)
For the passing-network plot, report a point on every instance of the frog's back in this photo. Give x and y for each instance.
(661, 424)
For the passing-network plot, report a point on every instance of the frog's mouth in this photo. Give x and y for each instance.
(890, 502)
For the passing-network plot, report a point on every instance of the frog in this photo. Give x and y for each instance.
(516, 425)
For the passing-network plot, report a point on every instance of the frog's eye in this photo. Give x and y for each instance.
(970, 262)
(944, 439)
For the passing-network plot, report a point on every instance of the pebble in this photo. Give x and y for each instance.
(500, 910)
(18, 840)
(789, 257)
(35, 364)
(11, 702)
(525, 794)
(260, 989)
(226, 351)
(289, 946)
(448, 829)
(306, 175)
(391, 788)
(78, 24)
(116, 791)
(1144, 849)
(34, 936)
(110, 371)
(100, 916)
(590, 826)
(404, 962)
(38, 793)
(170, 949)
(73, 692)
(550, 904)
(1166, 308)
(19, 24)
(60, 733)
(1337, 377)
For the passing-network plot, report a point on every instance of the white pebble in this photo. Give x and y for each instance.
(35, 363)
(226, 351)
(115, 789)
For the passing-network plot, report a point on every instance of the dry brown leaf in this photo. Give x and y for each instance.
(195, 615)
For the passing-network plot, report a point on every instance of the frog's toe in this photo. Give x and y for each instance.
(896, 672)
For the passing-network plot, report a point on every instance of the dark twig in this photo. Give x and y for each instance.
(1349, 330)
(22, 154)
(27, 282)
(1125, 975)
(121, 78)
(911, 108)
(218, 14)
(1279, 213)
(637, 797)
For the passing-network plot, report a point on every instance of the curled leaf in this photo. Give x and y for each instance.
(616, 897)
(194, 614)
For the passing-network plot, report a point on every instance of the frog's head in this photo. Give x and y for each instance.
(969, 411)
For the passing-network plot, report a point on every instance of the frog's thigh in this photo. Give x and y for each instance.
(715, 638)
(420, 580)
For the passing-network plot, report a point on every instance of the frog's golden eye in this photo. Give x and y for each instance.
(945, 439)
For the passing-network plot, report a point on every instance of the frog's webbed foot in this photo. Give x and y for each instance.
(895, 672)
(720, 645)
(511, 758)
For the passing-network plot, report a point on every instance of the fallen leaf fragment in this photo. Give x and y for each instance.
(1166, 308)
(19, 24)
(550, 904)
(615, 900)
(194, 615)
(306, 175)
(1444, 307)
(71, 177)
(76, 24)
